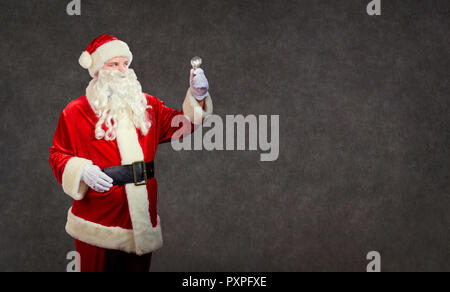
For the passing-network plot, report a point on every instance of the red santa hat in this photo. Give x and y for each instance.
(102, 49)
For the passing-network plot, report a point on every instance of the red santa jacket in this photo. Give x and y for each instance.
(124, 218)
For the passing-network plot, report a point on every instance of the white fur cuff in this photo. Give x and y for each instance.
(192, 109)
(71, 179)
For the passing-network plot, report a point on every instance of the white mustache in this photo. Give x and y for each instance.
(116, 74)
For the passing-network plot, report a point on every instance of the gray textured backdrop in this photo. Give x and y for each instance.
(364, 130)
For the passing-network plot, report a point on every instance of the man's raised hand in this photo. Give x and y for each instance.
(199, 84)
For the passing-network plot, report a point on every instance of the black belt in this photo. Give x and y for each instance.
(131, 173)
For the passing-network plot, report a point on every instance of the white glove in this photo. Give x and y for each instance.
(199, 84)
(96, 179)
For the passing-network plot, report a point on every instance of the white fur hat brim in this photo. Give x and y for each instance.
(95, 61)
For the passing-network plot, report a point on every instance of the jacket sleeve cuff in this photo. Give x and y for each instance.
(71, 178)
(193, 111)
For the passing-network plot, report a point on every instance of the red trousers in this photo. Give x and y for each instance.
(97, 259)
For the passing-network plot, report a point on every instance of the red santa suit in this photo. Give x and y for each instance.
(125, 217)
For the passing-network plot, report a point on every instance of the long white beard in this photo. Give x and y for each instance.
(117, 93)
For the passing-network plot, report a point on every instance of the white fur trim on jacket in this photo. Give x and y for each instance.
(108, 237)
(192, 109)
(146, 238)
(71, 178)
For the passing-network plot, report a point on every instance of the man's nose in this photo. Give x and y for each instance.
(123, 68)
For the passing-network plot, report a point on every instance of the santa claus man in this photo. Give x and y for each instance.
(102, 155)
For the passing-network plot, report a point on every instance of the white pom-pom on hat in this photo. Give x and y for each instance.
(85, 60)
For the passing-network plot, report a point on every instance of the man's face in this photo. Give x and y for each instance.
(117, 63)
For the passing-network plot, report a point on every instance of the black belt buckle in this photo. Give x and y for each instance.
(144, 171)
